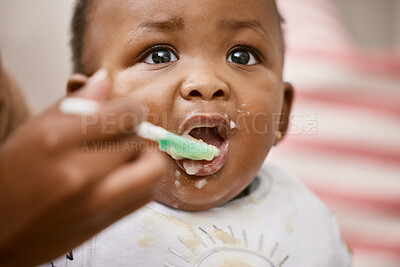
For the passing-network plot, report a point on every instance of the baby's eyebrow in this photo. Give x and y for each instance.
(172, 24)
(235, 24)
(178, 24)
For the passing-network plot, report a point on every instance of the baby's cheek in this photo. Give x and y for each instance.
(261, 124)
(255, 137)
(257, 120)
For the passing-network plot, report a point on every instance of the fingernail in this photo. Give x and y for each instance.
(91, 88)
(99, 76)
(78, 106)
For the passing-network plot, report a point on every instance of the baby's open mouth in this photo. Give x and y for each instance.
(209, 135)
(213, 130)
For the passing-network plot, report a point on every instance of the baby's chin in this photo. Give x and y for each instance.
(194, 202)
(177, 204)
(192, 193)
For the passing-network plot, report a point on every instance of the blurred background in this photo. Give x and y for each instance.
(343, 56)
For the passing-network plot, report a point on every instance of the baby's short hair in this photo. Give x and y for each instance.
(78, 27)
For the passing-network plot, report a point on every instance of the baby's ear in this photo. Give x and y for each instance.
(76, 82)
(287, 106)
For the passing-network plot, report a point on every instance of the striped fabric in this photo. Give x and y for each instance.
(344, 137)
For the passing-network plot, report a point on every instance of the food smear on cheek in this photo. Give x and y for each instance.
(232, 125)
(242, 111)
(240, 123)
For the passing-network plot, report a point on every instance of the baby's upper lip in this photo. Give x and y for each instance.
(205, 120)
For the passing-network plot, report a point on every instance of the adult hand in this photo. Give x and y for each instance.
(13, 108)
(57, 190)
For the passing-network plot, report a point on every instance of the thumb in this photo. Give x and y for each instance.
(97, 88)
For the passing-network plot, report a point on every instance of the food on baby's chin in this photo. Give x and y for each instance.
(178, 184)
(201, 183)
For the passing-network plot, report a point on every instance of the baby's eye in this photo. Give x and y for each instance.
(242, 57)
(161, 56)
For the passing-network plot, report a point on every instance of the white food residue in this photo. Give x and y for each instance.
(233, 125)
(177, 184)
(242, 110)
(174, 155)
(192, 167)
(201, 183)
(199, 141)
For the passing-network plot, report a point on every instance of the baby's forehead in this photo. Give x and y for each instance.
(268, 7)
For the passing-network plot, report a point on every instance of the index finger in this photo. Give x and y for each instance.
(86, 116)
(112, 120)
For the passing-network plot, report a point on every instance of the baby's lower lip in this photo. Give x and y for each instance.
(204, 167)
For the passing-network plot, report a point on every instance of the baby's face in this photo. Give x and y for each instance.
(211, 69)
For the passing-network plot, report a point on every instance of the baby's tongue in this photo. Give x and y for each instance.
(208, 135)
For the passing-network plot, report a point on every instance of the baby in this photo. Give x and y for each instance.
(212, 70)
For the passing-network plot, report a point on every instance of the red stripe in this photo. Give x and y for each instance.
(332, 196)
(329, 147)
(354, 100)
(386, 63)
(358, 242)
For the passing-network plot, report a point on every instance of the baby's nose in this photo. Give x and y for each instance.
(205, 87)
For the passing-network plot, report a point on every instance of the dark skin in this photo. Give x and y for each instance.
(54, 196)
(13, 108)
(199, 38)
(202, 38)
